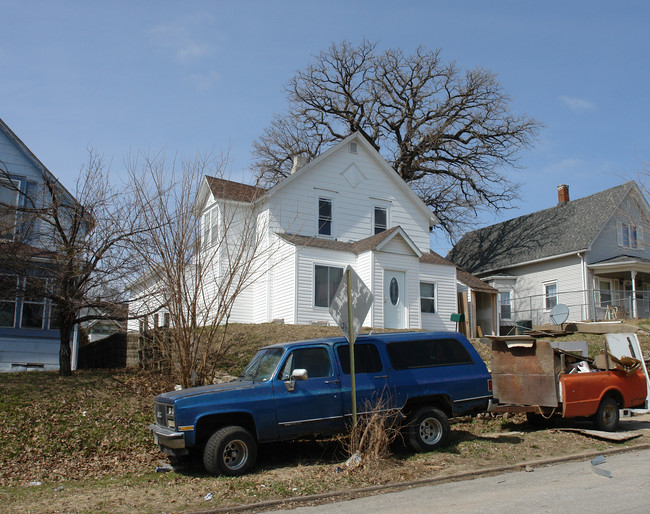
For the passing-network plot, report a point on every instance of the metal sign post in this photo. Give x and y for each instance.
(351, 338)
(349, 309)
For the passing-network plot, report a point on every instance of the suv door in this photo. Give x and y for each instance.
(315, 404)
(371, 378)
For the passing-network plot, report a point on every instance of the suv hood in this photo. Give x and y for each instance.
(191, 392)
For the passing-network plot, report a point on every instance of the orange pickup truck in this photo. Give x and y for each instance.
(544, 381)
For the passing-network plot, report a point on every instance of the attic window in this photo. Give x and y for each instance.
(324, 217)
(353, 147)
(629, 235)
(381, 219)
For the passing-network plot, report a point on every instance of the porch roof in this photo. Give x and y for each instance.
(363, 245)
(621, 263)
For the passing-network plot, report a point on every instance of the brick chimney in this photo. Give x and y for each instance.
(562, 194)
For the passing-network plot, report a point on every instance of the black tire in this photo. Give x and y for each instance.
(606, 418)
(427, 429)
(230, 451)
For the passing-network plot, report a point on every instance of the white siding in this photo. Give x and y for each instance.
(364, 270)
(444, 277)
(282, 295)
(295, 206)
(566, 272)
(307, 259)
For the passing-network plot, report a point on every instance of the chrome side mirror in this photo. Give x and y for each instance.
(296, 374)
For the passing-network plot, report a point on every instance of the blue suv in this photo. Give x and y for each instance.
(303, 388)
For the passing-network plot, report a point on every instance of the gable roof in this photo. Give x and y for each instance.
(383, 165)
(24, 149)
(567, 228)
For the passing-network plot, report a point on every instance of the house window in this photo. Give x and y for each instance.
(427, 297)
(550, 295)
(8, 204)
(605, 293)
(326, 281)
(210, 227)
(629, 235)
(9, 285)
(206, 227)
(381, 219)
(506, 305)
(324, 217)
(33, 308)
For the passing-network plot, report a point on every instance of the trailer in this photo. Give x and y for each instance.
(547, 380)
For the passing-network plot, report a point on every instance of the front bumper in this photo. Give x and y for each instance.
(166, 438)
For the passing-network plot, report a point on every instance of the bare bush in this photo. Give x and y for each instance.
(374, 432)
(202, 251)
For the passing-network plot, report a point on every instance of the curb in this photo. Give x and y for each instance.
(350, 494)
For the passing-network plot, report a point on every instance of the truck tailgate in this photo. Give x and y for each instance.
(524, 376)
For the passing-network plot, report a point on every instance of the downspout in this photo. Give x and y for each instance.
(585, 298)
(634, 304)
(372, 288)
(295, 285)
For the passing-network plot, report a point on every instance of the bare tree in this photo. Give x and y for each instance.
(70, 248)
(198, 261)
(448, 133)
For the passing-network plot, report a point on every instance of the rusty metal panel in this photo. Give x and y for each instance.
(525, 376)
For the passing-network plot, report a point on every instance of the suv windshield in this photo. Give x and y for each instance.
(263, 365)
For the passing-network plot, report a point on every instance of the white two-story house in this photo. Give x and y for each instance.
(345, 207)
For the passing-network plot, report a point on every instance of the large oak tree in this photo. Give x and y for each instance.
(449, 133)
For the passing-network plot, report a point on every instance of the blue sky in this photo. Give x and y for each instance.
(123, 76)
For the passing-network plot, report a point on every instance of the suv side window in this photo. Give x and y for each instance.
(424, 354)
(366, 358)
(315, 360)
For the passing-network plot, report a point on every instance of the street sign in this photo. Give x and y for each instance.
(360, 298)
(351, 301)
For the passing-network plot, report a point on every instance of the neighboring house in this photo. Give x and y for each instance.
(588, 254)
(29, 338)
(346, 207)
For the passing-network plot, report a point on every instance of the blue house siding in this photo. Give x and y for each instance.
(21, 348)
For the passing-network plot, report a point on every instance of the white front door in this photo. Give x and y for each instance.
(394, 300)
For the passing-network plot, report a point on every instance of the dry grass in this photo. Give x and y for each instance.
(85, 438)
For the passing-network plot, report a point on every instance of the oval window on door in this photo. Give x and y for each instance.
(394, 291)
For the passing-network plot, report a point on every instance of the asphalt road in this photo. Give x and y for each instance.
(567, 487)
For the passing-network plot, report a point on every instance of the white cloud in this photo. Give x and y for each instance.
(183, 39)
(577, 104)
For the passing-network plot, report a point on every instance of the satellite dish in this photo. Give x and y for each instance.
(559, 314)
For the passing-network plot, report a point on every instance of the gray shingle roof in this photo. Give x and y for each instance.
(565, 228)
(370, 243)
(229, 190)
(357, 247)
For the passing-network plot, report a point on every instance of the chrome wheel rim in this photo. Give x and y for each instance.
(235, 454)
(430, 431)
